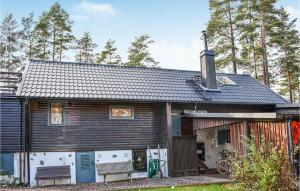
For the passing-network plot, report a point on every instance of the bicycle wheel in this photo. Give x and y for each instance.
(159, 173)
(223, 167)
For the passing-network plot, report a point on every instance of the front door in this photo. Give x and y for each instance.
(85, 167)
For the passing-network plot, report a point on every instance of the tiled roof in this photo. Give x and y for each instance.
(44, 79)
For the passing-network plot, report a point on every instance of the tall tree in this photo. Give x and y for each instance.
(85, 49)
(109, 55)
(60, 30)
(287, 39)
(27, 37)
(249, 38)
(222, 31)
(266, 18)
(10, 59)
(41, 35)
(138, 53)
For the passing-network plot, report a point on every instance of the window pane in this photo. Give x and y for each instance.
(225, 80)
(140, 160)
(223, 136)
(122, 112)
(56, 113)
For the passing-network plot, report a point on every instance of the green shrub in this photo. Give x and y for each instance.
(263, 168)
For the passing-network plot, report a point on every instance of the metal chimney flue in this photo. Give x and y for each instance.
(204, 38)
(207, 62)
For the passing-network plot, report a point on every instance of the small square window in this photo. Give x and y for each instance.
(223, 136)
(121, 112)
(140, 160)
(56, 114)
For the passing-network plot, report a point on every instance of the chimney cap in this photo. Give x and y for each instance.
(204, 38)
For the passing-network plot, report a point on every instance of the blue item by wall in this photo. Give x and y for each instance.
(85, 167)
(7, 163)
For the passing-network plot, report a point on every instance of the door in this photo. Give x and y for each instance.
(7, 163)
(185, 160)
(176, 125)
(187, 126)
(85, 167)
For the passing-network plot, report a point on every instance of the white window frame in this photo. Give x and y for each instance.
(231, 82)
(121, 107)
(62, 113)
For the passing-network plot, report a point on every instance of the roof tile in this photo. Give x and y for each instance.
(111, 82)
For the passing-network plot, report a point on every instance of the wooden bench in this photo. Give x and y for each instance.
(52, 173)
(115, 168)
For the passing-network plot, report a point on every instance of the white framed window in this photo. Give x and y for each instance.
(56, 113)
(225, 80)
(121, 112)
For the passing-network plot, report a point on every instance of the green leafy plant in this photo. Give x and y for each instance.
(262, 168)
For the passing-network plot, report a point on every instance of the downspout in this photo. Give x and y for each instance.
(26, 142)
(290, 144)
(20, 139)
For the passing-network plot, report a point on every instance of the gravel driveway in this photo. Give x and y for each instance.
(135, 184)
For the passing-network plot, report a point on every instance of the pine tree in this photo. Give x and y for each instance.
(60, 30)
(10, 59)
(249, 39)
(41, 36)
(222, 30)
(27, 37)
(287, 40)
(266, 18)
(85, 49)
(138, 53)
(109, 55)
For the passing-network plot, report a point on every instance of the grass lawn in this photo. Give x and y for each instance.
(213, 187)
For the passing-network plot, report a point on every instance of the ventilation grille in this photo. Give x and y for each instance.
(85, 161)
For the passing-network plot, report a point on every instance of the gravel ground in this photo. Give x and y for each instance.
(135, 184)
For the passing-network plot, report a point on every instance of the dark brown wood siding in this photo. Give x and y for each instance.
(87, 127)
(10, 117)
(164, 132)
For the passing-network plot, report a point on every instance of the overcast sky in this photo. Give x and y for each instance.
(174, 25)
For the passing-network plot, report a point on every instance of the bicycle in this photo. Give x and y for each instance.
(224, 164)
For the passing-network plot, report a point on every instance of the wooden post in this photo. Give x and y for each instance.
(246, 135)
(170, 139)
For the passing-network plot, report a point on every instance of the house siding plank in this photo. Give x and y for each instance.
(87, 127)
(10, 117)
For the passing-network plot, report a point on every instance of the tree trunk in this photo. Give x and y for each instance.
(253, 45)
(30, 50)
(266, 77)
(289, 75)
(44, 50)
(290, 85)
(233, 55)
(53, 48)
(61, 40)
(254, 61)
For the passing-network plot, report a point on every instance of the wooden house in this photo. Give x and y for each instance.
(80, 115)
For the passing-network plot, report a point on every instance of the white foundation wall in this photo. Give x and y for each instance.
(17, 166)
(163, 156)
(43, 159)
(123, 156)
(109, 157)
(212, 148)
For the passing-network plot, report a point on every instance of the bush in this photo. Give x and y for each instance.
(263, 168)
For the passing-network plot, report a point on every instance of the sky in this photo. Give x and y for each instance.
(174, 25)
